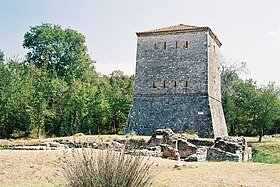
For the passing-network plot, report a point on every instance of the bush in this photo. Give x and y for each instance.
(95, 168)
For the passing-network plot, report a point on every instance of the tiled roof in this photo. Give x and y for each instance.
(179, 28)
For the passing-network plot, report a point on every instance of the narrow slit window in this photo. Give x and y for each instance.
(186, 84)
(164, 84)
(176, 45)
(175, 84)
(186, 44)
(164, 45)
(155, 45)
(154, 85)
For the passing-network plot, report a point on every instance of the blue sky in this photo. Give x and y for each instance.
(249, 30)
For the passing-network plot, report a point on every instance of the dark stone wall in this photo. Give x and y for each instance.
(171, 84)
(178, 113)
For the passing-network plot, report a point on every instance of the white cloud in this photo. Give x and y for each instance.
(273, 37)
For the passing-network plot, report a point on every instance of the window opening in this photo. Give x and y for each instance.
(186, 84)
(186, 44)
(164, 45)
(164, 84)
(176, 45)
(175, 84)
(154, 85)
(155, 46)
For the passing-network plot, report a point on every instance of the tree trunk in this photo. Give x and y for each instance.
(117, 128)
(74, 121)
(260, 134)
(5, 125)
(71, 124)
(38, 130)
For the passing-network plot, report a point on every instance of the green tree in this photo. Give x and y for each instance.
(1, 57)
(267, 109)
(62, 51)
(257, 108)
(58, 65)
(120, 99)
(14, 117)
(229, 77)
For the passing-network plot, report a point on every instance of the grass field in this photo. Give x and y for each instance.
(45, 168)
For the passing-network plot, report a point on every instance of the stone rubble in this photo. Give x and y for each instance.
(178, 147)
(166, 144)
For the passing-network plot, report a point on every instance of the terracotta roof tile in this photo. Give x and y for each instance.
(179, 28)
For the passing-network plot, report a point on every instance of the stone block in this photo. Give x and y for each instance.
(192, 158)
(216, 154)
(169, 152)
(185, 148)
(201, 142)
(201, 153)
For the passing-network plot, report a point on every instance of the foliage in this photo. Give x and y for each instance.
(1, 57)
(61, 51)
(56, 91)
(13, 99)
(87, 167)
(249, 110)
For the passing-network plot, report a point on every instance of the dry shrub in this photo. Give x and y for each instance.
(93, 168)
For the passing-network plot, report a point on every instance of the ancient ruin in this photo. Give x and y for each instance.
(178, 147)
(163, 143)
(177, 82)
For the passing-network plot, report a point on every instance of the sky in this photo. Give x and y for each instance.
(248, 29)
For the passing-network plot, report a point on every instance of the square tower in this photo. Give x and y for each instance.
(177, 82)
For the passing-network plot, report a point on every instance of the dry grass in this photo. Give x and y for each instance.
(76, 138)
(103, 168)
(45, 168)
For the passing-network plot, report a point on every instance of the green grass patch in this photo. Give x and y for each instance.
(6, 148)
(265, 158)
(269, 148)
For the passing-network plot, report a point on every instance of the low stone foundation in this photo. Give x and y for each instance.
(165, 143)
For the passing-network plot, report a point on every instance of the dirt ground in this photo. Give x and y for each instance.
(45, 168)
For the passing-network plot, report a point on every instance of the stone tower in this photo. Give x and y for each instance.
(177, 82)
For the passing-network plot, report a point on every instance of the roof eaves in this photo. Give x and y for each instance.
(191, 29)
(146, 33)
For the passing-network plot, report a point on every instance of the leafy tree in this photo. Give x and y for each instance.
(38, 99)
(1, 57)
(13, 99)
(249, 110)
(62, 51)
(229, 77)
(56, 91)
(267, 109)
(256, 109)
(120, 98)
(56, 107)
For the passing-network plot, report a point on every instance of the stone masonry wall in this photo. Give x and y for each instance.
(171, 84)
(214, 88)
